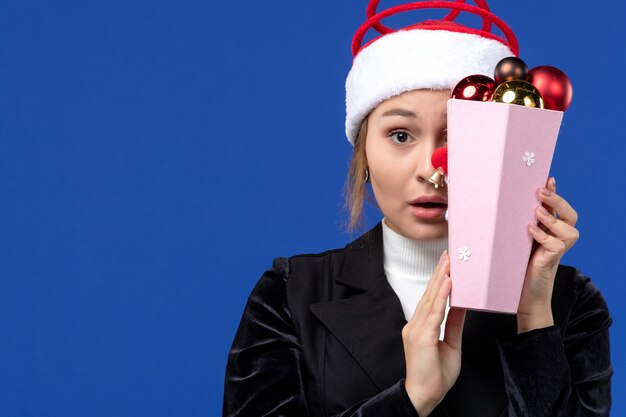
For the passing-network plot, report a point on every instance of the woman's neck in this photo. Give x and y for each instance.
(410, 259)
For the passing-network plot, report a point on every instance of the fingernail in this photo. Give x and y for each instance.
(534, 227)
(546, 192)
(441, 259)
(554, 183)
(543, 211)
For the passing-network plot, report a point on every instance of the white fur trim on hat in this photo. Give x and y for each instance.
(411, 59)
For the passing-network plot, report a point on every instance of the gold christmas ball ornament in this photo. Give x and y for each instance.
(518, 92)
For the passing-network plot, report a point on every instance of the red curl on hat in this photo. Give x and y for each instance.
(447, 23)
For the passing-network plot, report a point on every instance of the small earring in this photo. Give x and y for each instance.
(367, 175)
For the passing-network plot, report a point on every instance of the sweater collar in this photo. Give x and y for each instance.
(363, 262)
(409, 259)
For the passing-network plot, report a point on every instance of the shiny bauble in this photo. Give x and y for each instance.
(510, 68)
(518, 92)
(475, 87)
(554, 86)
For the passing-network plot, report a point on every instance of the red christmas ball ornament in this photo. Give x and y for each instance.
(510, 68)
(475, 87)
(439, 159)
(554, 86)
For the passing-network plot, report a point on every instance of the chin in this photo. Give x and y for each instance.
(424, 231)
(428, 235)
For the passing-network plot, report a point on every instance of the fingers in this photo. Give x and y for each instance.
(551, 186)
(440, 270)
(551, 244)
(556, 221)
(438, 312)
(557, 205)
(558, 228)
(430, 310)
(454, 328)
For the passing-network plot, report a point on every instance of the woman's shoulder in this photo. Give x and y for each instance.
(300, 280)
(307, 269)
(284, 292)
(283, 267)
(573, 282)
(304, 273)
(579, 302)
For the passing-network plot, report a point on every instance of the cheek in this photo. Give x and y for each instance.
(388, 176)
(390, 173)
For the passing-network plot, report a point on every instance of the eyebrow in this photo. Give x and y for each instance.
(401, 112)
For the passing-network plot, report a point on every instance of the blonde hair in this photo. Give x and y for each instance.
(355, 190)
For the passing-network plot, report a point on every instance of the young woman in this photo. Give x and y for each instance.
(357, 331)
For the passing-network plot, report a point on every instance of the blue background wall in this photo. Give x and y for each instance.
(155, 156)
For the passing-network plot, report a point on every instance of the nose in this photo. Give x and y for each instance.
(424, 168)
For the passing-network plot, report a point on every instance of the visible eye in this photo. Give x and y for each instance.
(400, 136)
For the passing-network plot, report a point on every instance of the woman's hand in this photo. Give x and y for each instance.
(432, 366)
(553, 238)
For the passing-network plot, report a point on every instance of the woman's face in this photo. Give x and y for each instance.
(402, 134)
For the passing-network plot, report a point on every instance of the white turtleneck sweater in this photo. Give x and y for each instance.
(408, 265)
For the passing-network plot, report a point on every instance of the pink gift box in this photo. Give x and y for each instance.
(499, 155)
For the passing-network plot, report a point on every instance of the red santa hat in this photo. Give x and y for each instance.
(434, 54)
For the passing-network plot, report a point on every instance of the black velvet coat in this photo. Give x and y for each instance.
(321, 336)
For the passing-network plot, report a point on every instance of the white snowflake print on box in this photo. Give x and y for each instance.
(464, 253)
(529, 158)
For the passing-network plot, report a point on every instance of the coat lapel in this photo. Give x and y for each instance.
(367, 317)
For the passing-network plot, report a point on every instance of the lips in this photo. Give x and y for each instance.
(432, 201)
(429, 204)
(429, 207)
